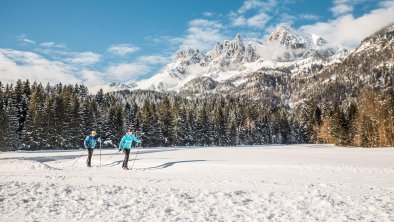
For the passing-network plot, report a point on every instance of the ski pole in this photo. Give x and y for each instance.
(78, 158)
(136, 155)
(100, 153)
(110, 156)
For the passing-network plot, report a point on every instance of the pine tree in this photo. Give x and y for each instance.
(76, 130)
(191, 125)
(82, 92)
(99, 106)
(66, 122)
(34, 128)
(232, 132)
(165, 120)
(100, 97)
(338, 129)
(310, 118)
(178, 124)
(13, 125)
(5, 130)
(27, 91)
(146, 122)
(279, 126)
(87, 115)
(58, 121)
(49, 121)
(203, 127)
(351, 122)
(154, 128)
(262, 125)
(128, 117)
(18, 109)
(220, 126)
(367, 132)
(115, 123)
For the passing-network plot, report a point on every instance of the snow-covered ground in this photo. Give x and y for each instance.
(268, 183)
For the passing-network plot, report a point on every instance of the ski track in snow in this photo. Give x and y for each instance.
(268, 183)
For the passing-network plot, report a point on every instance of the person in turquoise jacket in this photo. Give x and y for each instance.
(126, 144)
(90, 143)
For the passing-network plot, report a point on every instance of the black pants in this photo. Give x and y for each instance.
(126, 157)
(90, 154)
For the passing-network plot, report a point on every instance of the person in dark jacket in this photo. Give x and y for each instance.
(90, 143)
(126, 144)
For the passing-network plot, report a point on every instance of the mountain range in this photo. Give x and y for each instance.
(288, 66)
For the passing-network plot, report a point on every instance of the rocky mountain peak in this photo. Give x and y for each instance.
(383, 35)
(187, 53)
(380, 42)
(285, 47)
(231, 54)
(237, 42)
(291, 38)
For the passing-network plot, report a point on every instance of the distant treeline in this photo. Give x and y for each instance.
(33, 116)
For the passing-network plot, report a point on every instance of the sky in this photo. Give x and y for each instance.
(95, 42)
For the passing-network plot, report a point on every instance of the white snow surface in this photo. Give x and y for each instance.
(265, 183)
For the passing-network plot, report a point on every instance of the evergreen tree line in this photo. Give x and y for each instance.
(367, 121)
(59, 117)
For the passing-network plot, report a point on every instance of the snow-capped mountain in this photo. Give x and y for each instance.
(231, 54)
(187, 63)
(287, 44)
(229, 62)
(370, 65)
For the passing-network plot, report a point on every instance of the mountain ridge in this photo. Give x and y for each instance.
(326, 78)
(237, 57)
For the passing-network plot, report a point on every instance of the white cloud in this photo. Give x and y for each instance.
(47, 44)
(259, 20)
(16, 65)
(238, 21)
(153, 59)
(24, 40)
(344, 7)
(309, 17)
(85, 58)
(287, 19)
(348, 30)
(261, 6)
(127, 71)
(207, 14)
(122, 49)
(253, 13)
(94, 80)
(341, 9)
(250, 4)
(52, 45)
(22, 65)
(202, 34)
(205, 23)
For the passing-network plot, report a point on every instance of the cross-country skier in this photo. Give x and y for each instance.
(90, 143)
(125, 144)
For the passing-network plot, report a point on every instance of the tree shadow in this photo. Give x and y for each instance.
(115, 163)
(169, 164)
(83, 154)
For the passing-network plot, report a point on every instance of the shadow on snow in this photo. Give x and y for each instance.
(169, 164)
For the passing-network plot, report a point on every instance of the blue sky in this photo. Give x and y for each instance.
(96, 42)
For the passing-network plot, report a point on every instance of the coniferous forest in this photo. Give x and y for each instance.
(34, 116)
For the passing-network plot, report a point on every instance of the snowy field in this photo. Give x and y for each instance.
(268, 183)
